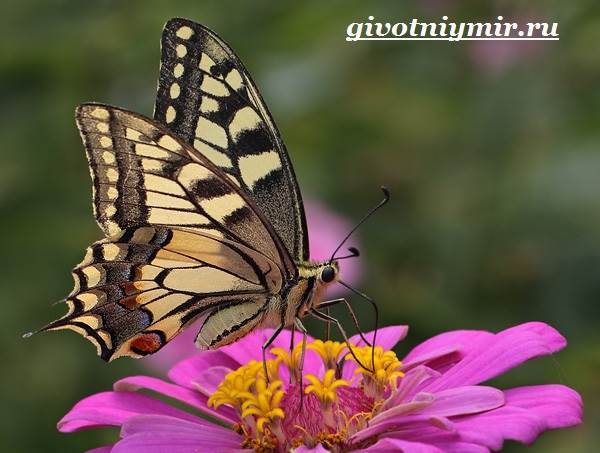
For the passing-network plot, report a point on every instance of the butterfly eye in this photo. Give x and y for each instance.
(328, 274)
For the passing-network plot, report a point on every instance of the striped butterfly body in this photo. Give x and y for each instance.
(200, 208)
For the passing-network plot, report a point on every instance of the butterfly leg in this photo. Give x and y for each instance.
(292, 337)
(301, 328)
(324, 317)
(266, 346)
(327, 326)
(342, 300)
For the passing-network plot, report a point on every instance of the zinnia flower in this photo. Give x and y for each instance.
(326, 229)
(431, 401)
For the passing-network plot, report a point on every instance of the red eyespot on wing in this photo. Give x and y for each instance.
(146, 343)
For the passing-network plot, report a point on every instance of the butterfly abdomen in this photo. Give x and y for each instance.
(229, 322)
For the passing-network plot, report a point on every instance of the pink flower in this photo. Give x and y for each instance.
(325, 229)
(431, 401)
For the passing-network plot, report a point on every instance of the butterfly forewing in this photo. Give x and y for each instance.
(207, 98)
(143, 175)
(137, 290)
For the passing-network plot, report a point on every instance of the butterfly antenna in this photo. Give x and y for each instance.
(386, 198)
(353, 254)
(375, 310)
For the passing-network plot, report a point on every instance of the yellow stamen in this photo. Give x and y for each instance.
(272, 367)
(235, 384)
(264, 402)
(381, 373)
(325, 390)
(329, 351)
(291, 360)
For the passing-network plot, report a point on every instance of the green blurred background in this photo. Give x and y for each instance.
(489, 149)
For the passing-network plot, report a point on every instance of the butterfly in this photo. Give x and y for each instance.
(200, 208)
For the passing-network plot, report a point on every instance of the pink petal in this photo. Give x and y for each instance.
(160, 424)
(447, 403)
(387, 337)
(497, 354)
(438, 359)
(188, 370)
(463, 401)
(389, 445)
(446, 442)
(424, 432)
(492, 428)
(190, 397)
(558, 405)
(208, 381)
(104, 449)
(405, 425)
(172, 443)
(460, 447)
(529, 411)
(113, 409)
(461, 340)
(163, 423)
(403, 409)
(408, 384)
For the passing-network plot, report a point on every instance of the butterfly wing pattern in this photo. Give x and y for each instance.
(208, 99)
(182, 240)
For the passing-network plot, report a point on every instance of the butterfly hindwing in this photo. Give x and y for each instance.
(134, 292)
(207, 98)
(143, 175)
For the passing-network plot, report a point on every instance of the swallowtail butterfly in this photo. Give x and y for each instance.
(201, 211)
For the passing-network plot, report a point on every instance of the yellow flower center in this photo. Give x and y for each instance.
(328, 417)
(382, 369)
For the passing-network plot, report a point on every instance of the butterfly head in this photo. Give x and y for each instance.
(328, 272)
(323, 272)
